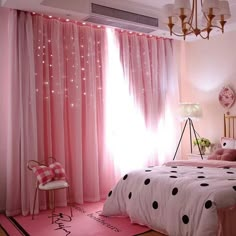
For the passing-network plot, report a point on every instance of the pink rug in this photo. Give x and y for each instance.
(86, 221)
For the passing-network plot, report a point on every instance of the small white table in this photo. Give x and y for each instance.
(195, 156)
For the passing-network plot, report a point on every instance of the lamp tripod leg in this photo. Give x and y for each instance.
(195, 135)
(190, 134)
(180, 138)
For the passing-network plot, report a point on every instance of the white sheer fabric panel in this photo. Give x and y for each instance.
(145, 121)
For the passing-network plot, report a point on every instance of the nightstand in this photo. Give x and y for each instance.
(194, 156)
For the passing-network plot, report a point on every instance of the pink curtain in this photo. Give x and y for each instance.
(69, 61)
(97, 100)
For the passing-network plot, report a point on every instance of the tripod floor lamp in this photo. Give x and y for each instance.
(188, 112)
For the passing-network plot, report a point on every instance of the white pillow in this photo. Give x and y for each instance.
(228, 143)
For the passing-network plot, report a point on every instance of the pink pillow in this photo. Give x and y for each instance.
(228, 143)
(44, 174)
(224, 154)
(58, 170)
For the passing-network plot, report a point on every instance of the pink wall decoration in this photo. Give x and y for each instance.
(226, 97)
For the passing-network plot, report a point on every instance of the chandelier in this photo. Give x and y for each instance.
(184, 18)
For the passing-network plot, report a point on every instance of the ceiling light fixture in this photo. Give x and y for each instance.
(214, 16)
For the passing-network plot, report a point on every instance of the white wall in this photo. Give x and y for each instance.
(208, 65)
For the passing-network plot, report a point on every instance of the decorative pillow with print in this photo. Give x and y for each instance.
(228, 143)
(43, 173)
(58, 170)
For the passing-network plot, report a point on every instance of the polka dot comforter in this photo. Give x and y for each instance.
(179, 198)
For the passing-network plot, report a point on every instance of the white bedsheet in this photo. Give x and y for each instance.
(177, 199)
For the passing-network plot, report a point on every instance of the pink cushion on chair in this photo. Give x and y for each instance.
(58, 170)
(44, 174)
(224, 154)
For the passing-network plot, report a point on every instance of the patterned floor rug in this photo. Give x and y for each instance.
(86, 221)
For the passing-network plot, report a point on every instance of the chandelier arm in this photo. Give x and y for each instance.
(181, 35)
(190, 21)
(215, 26)
(205, 16)
(206, 37)
(212, 26)
(190, 29)
(195, 6)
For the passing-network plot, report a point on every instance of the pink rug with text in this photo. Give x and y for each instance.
(86, 221)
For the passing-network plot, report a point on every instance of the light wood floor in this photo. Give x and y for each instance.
(2, 233)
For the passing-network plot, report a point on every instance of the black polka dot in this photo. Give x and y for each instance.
(200, 167)
(125, 177)
(147, 181)
(174, 191)
(155, 205)
(148, 170)
(204, 184)
(226, 167)
(173, 171)
(173, 166)
(208, 204)
(185, 219)
(110, 193)
(234, 187)
(230, 172)
(224, 144)
(201, 177)
(130, 195)
(173, 176)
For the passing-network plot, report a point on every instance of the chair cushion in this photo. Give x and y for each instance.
(56, 184)
(58, 170)
(44, 174)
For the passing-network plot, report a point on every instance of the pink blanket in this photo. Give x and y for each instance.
(179, 198)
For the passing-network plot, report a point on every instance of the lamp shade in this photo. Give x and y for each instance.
(224, 10)
(184, 5)
(190, 110)
(168, 11)
(210, 4)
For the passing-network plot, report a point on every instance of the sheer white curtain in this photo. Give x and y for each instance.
(142, 100)
(22, 132)
(97, 100)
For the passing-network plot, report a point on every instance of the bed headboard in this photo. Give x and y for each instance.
(230, 126)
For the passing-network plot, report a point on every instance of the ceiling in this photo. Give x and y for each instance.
(80, 9)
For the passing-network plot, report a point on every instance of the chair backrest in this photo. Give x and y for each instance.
(33, 163)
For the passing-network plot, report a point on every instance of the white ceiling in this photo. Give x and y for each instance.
(80, 9)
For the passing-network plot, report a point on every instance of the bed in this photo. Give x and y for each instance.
(182, 197)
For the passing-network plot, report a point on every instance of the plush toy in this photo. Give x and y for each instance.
(224, 154)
